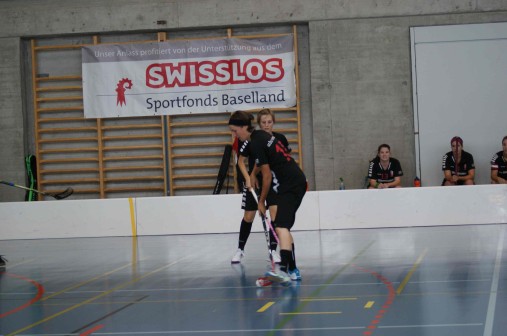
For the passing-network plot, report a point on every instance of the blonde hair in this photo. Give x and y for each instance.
(264, 112)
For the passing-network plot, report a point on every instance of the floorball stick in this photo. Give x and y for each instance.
(61, 195)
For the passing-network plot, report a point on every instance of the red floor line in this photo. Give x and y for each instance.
(390, 298)
(37, 297)
(89, 332)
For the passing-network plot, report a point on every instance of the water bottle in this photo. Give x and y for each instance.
(417, 182)
(341, 186)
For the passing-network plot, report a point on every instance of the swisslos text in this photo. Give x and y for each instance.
(222, 72)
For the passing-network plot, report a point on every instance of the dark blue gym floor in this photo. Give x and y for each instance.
(403, 281)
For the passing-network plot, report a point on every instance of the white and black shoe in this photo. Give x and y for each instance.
(279, 277)
(236, 258)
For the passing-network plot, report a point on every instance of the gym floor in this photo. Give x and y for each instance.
(442, 280)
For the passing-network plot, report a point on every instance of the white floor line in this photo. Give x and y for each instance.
(490, 316)
(446, 325)
(236, 331)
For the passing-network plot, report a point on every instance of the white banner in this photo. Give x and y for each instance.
(182, 77)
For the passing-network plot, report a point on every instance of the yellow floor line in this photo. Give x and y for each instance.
(123, 285)
(412, 270)
(84, 283)
(265, 307)
(321, 288)
(134, 256)
(369, 304)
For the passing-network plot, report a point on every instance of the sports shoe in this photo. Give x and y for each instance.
(280, 277)
(295, 275)
(2, 261)
(237, 256)
(276, 256)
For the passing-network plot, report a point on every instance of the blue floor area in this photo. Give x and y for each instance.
(385, 282)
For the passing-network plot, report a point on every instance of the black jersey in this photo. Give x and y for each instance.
(235, 147)
(267, 149)
(499, 163)
(466, 163)
(284, 140)
(245, 150)
(381, 175)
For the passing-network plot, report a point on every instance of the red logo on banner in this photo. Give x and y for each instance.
(123, 85)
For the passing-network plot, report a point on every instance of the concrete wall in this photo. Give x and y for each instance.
(362, 93)
(359, 85)
(322, 210)
(11, 119)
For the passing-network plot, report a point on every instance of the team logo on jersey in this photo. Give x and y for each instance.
(275, 183)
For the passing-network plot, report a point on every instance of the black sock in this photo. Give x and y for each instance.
(292, 264)
(286, 256)
(272, 241)
(244, 233)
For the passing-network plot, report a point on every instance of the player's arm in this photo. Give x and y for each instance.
(494, 176)
(469, 176)
(494, 173)
(373, 183)
(448, 175)
(244, 171)
(266, 186)
(395, 183)
(446, 168)
(253, 177)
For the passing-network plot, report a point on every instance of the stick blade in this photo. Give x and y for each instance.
(263, 282)
(64, 194)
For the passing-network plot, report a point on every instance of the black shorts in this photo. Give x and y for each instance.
(248, 202)
(459, 182)
(287, 205)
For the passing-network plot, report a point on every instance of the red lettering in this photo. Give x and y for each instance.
(223, 72)
(280, 148)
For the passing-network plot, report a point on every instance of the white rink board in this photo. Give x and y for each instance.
(208, 214)
(65, 219)
(427, 206)
(188, 214)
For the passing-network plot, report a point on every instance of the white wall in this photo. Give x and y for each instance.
(322, 210)
(459, 89)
